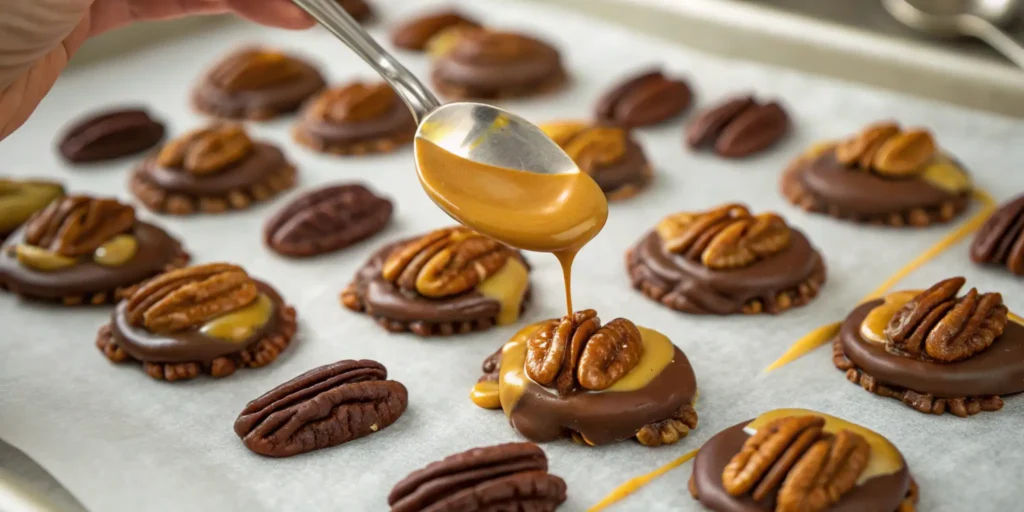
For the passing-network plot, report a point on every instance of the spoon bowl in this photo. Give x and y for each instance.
(955, 18)
(489, 135)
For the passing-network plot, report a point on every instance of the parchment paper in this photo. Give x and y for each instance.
(121, 441)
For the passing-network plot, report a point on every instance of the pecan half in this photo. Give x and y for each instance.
(768, 455)
(189, 297)
(327, 219)
(589, 146)
(445, 262)
(826, 471)
(254, 69)
(888, 150)
(511, 476)
(725, 237)
(417, 32)
(645, 99)
(109, 135)
(207, 150)
(78, 225)
(1001, 240)
(860, 150)
(324, 407)
(353, 103)
(936, 325)
(577, 352)
(739, 127)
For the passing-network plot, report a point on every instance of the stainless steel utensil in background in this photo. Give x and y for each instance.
(954, 18)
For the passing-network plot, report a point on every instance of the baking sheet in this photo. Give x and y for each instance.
(121, 441)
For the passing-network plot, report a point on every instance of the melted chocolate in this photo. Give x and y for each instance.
(184, 346)
(863, 193)
(382, 298)
(263, 161)
(542, 416)
(528, 70)
(396, 121)
(881, 494)
(284, 97)
(726, 291)
(998, 370)
(156, 249)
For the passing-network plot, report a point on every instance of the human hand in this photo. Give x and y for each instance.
(38, 37)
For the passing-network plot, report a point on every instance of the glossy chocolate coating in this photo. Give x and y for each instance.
(881, 494)
(382, 298)
(542, 416)
(256, 167)
(722, 292)
(280, 98)
(396, 122)
(188, 345)
(860, 193)
(632, 169)
(998, 370)
(156, 250)
(533, 69)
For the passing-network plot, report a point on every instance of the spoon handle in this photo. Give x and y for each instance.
(995, 37)
(333, 17)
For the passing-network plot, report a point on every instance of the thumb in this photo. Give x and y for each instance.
(37, 38)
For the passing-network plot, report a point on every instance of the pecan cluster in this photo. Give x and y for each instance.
(417, 33)
(353, 103)
(589, 146)
(888, 150)
(78, 225)
(576, 352)
(938, 326)
(445, 262)
(253, 69)
(794, 459)
(207, 150)
(645, 99)
(726, 237)
(189, 297)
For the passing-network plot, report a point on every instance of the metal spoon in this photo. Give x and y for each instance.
(949, 18)
(474, 131)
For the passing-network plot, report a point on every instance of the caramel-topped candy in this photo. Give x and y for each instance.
(487, 64)
(795, 460)
(934, 350)
(211, 318)
(608, 153)
(355, 119)
(448, 281)
(726, 260)
(598, 383)
(82, 249)
(212, 170)
(256, 83)
(884, 174)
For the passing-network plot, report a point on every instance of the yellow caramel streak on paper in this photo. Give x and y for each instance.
(1015, 318)
(635, 484)
(824, 334)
